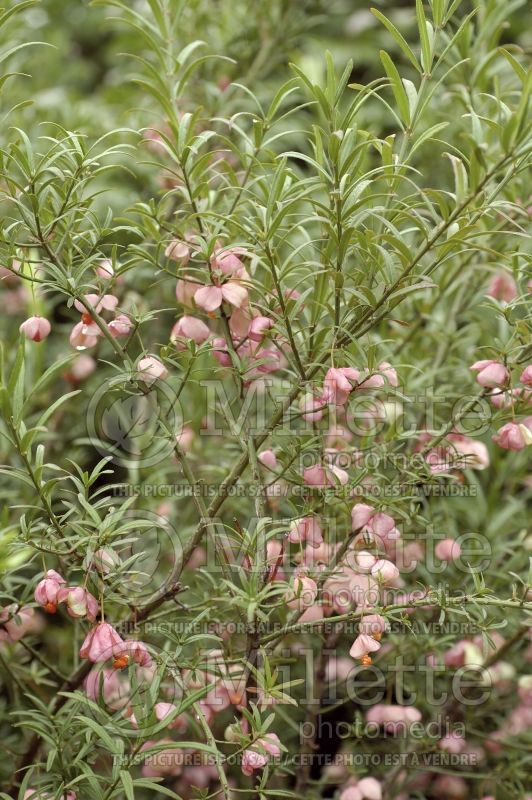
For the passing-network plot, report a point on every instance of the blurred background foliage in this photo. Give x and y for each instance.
(80, 77)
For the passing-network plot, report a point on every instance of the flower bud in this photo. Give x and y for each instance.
(151, 369)
(491, 373)
(36, 328)
(448, 550)
(47, 591)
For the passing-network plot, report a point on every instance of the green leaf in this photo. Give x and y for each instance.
(460, 177)
(426, 43)
(397, 87)
(437, 11)
(146, 783)
(102, 734)
(516, 66)
(427, 135)
(399, 38)
(127, 783)
(411, 93)
(279, 97)
(15, 387)
(43, 419)
(46, 378)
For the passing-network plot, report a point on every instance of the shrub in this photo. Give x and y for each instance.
(265, 400)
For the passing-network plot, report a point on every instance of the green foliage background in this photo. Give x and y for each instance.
(75, 72)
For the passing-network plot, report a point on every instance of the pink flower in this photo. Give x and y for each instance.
(502, 399)
(337, 385)
(347, 589)
(220, 352)
(389, 373)
(370, 788)
(452, 743)
(491, 373)
(371, 380)
(185, 438)
(274, 552)
(105, 269)
(164, 710)
(314, 556)
(84, 335)
(80, 368)
(391, 715)
(35, 328)
(259, 327)
(101, 643)
(469, 453)
(381, 524)
(338, 669)
(312, 614)
(178, 251)
(311, 408)
(292, 296)
(268, 459)
(373, 625)
(315, 476)
(364, 560)
(185, 291)
(385, 570)
(139, 653)
(120, 326)
(189, 328)
(104, 561)
(513, 436)
(251, 760)
(451, 787)
(7, 275)
(524, 690)
(307, 529)
(126, 651)
(47, 591)
(80, 602)
(319, 475)
(150, 369)
(361, 513)
(377, 522)
(362, 646)
(502, 287)
(304, 592)
(227, 261)
(239, 323)
(526, 376)
(15, 622)
(365, 789)
(162, 763)
(461, 653)
(260, 753)
(108, 685)
(270, 359)
(199, 776)
(209, 298)
(106, 302)
(217, 699)
(448, 550)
